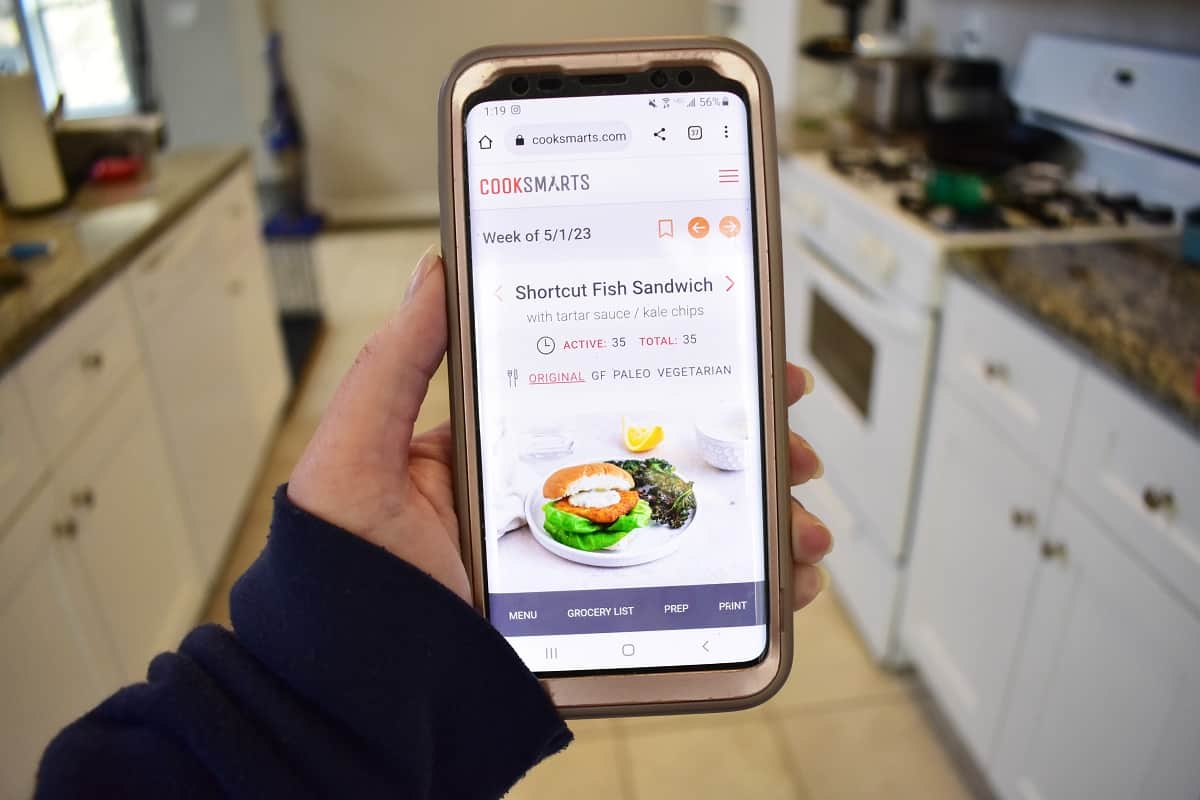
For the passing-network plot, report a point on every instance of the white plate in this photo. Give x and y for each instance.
(641, 546)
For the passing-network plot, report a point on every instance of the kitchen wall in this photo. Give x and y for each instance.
(208, 73)
(1004, 25)
(366, 75)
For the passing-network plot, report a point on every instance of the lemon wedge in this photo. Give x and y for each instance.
(639, 439)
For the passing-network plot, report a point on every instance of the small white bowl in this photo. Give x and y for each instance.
(724, 437)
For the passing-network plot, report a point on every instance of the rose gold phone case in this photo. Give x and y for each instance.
(713, 689)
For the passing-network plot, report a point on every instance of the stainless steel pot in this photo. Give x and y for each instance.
(889, 93)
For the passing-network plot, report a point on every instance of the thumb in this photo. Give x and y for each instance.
(391, 374)
(355, 462)
(373, 410)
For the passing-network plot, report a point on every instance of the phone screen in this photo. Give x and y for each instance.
(613, 292)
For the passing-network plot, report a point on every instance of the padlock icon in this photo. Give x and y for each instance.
(520, 140)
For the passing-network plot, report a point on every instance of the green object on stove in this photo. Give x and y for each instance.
(962, 191)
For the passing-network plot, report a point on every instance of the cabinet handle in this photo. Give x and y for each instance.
(1054, 550)
(66, 528)
(1023, 518)
(1158, 499)
(92, 362)
(995, 371)
(235, 287)
(83, 498)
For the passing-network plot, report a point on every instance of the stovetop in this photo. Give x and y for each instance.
(1038, 196)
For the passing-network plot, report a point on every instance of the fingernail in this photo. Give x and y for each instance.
(824, 573)
(424, 267)
(829, 549)
(819, 472)
(810, 382)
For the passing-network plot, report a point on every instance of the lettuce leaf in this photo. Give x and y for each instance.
(586, 535)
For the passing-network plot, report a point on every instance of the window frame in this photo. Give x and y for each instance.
(37, 52)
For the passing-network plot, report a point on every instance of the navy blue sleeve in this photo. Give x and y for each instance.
(348, 673)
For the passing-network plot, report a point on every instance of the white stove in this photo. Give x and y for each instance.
(865, 256)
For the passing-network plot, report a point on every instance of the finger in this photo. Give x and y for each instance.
(390, 376)
(803, 461)
(436, 443)
(811, 540)
(808, 581)
(799, 383)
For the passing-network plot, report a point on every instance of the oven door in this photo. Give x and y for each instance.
(871, 360)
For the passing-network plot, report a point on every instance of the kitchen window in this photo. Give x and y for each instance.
(75, 48)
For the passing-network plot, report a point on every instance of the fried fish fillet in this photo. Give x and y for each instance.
(605, 515)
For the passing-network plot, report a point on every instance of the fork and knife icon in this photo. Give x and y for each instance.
(512, 377)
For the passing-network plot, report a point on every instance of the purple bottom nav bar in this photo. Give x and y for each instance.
(714, 605)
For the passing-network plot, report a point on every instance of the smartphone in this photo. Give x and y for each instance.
(611, 237)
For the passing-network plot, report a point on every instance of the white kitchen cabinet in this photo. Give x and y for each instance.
(56, 663)
(207, 410)
(974, 563)
(129, 530)
(72, 372)
(215, 357)
(22, 462)
(1022, 380)
(1140, 472)
(1105, 702)
(259, 339)
(1068, 655)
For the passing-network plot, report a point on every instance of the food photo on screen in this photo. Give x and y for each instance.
(581, 496)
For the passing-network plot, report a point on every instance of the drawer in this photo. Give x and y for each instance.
(231, 215)
(1021, 380)
(68, 377)
(1139, 474)
(161, 275)
(22, 461)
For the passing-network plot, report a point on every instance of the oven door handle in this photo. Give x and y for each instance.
(859, 303)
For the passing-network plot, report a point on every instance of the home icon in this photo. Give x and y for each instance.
(485, 142)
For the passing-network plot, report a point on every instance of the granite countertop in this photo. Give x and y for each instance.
(1132, 307)
(97, 235)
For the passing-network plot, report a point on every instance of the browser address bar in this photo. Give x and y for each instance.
(568, 137)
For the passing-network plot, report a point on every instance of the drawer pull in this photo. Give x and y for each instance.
(83, 498)
(92, 362)
(995, 371)
(1023, 518)
(1158, 499)
(66, 528)
(1052, 551)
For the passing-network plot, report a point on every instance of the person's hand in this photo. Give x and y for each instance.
(364, 471)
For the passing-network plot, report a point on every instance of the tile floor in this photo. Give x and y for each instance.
(840, 728)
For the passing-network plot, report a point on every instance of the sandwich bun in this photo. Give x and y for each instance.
(586, 477)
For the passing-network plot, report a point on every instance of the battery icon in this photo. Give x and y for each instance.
(724, 101)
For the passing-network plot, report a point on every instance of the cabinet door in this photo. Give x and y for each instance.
(208, 416)
(1138, 471)
(131, 539)
(259, 336)
(973, 564)
(1106, 699)
(54, 665)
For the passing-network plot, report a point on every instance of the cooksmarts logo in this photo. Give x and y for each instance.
(534, 184)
